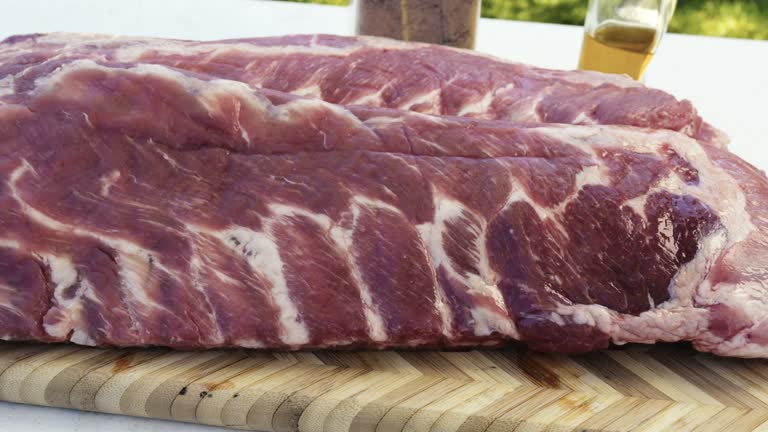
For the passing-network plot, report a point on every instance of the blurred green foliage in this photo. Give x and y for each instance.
(745, 19)
(731, 18)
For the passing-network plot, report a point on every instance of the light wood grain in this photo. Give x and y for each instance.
(639, 388)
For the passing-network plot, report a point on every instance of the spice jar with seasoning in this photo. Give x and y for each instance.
(445, 22)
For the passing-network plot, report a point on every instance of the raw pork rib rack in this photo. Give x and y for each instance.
(155, 194)
(382, 73)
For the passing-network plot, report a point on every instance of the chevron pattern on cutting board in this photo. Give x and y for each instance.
(639, 388)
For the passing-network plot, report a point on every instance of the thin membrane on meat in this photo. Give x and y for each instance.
(150, 205)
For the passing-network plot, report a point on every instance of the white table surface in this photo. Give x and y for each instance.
(726, 79)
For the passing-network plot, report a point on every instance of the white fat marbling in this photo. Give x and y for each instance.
(432, 235)
(344, 237)
(430, 98)
(478, 107)
(263, 256)
(108, 181)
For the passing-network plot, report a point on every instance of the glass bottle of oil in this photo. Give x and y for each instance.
(621, 36)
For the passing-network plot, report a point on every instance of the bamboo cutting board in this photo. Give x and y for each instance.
(640, 388)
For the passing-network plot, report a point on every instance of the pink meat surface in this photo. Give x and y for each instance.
(144, 204)
(381, 73)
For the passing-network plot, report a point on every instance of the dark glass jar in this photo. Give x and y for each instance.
(444, 22)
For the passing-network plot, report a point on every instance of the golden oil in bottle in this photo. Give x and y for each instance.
(618, 48)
